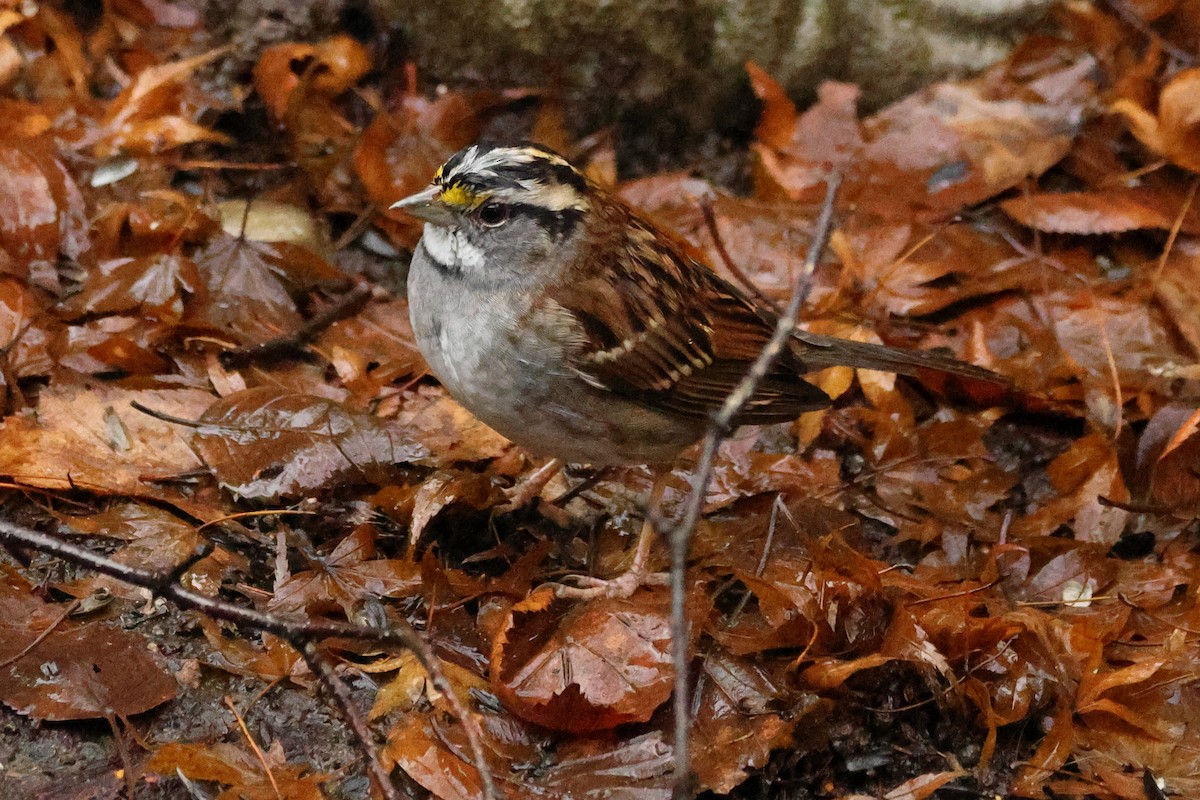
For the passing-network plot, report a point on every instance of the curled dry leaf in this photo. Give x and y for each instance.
(44, 212)
(1174, 131)
(158, 110)
(332, 67)
(584, 667)
(266, 443)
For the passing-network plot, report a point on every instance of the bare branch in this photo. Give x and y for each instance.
(302, 634)
(347, 305)
(679, 536)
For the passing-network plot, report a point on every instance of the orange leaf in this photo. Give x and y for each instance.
(1174, 132)
(585, 667)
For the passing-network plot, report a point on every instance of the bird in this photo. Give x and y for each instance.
(579, 330)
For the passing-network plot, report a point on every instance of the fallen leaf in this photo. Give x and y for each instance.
(1172, 132)
(268, 444)
(80, 670)
(86, 435)
(584, 667)
(1112, 211)
(334, 65)
(242, 771)
(347, 578)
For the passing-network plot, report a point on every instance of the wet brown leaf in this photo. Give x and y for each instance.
(1112, 211)
(584, 667)
(447, 430)
(24, 331)
(86, 435)
(156, 541)
(1175, 481)
(158, 111)
(742, 714)
(373, 349)
(333, 66)
(346, 578)
(271, 660)
(268, 444)
(44, 213)
(797, 153)
(947, 147)
(157, 286)
(80, 670)
(240, 771)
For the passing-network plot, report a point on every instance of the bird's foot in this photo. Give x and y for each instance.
(585, 587)
(529, 488)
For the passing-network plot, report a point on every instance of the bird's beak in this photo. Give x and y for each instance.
(427, 205)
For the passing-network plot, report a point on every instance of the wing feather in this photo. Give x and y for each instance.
(680, 341)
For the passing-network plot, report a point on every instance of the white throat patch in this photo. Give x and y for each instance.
(451, 249)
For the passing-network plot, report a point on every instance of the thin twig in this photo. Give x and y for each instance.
(1132, 18)
(679, 536)
(347, 305)
(300, 634)
(710, 221)
(41, 637)
(254, 748)
(1176, 225)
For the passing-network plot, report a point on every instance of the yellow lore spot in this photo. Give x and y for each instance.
(460, 196)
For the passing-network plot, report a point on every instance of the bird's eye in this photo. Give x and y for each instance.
(493, 214)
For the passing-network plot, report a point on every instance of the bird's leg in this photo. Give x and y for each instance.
(585, 587)
(529, 487)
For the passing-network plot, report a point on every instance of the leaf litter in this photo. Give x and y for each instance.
(1003, 594)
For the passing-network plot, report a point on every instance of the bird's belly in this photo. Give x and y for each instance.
(536, 403)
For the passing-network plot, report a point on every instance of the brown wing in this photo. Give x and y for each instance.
(681, 340)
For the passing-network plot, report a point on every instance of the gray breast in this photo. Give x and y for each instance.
(515, 381)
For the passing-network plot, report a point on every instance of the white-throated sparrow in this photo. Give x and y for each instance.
(578, 330)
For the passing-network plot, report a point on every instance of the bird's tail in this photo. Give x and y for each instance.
(818, 352)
